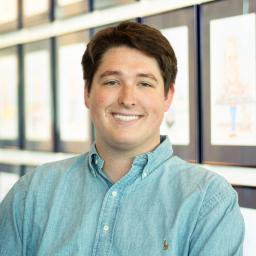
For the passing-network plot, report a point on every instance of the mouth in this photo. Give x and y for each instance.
(126, 117)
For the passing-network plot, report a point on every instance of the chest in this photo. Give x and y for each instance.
(116, 222)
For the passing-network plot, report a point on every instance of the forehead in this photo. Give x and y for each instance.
(127, 58)
(123, 49)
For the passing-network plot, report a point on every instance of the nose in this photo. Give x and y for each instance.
(127, 96)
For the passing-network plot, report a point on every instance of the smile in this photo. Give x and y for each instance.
(126, 117)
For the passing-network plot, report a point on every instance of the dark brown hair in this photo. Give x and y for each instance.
(146, 39)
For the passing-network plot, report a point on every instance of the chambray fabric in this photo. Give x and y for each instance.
(163, 206)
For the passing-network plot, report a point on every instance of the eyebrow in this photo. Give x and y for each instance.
(147, 75)
(115, 72)
(109, 73)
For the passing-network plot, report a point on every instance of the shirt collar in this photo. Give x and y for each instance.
(156, 157)
(147, 162)
(95, 161)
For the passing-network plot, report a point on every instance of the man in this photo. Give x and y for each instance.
(129, 195)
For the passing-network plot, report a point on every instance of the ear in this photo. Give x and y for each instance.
(169, 97)
(86, 95)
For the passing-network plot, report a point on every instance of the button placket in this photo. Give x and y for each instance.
(106, 221)
(108, 215)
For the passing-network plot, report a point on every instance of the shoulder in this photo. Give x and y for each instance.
(192, 178)
(193, 174)
(61, 167)
(42, 183)
(213, 195)
(46, 175)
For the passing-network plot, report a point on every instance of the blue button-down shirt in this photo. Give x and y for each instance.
(163, 206)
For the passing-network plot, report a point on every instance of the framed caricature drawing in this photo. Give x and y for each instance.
(229, 83)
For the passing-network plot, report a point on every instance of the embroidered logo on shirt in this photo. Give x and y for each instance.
(165, 245)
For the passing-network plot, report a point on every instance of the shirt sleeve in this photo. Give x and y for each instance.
(220, 226)
(11, 220)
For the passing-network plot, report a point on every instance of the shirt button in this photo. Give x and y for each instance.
(144, 175)
(114, 193)
(106, 227)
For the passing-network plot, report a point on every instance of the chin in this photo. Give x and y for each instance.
(125, 143)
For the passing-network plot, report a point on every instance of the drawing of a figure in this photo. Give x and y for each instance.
(233, 87)
(233, 74)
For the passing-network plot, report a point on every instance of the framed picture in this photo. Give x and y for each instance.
(102, 4)
(9, 73)
(35, 12)
(8, 15)
(73, 117)
(9, 175)
(229, 83)
(181, 120)
(38, 96)
(66, 8)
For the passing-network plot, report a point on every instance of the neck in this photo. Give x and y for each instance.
(116, 167)
(117, 160)
(116, 163)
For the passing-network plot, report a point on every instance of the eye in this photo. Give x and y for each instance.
(145, 84)
(111, 82)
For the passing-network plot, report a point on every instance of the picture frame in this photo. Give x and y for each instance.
(180, 29)
(74, 125)
(38, 96)
(9, 98)
(229, 83)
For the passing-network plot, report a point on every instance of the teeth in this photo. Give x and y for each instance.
(125, 118)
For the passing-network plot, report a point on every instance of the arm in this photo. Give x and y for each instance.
(220, 227)
(11, 221)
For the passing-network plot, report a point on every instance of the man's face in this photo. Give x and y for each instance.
(127, 101)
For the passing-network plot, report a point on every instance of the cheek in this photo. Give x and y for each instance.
(155, 105)
(99, 100)
(99, 104)
(158, 109)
